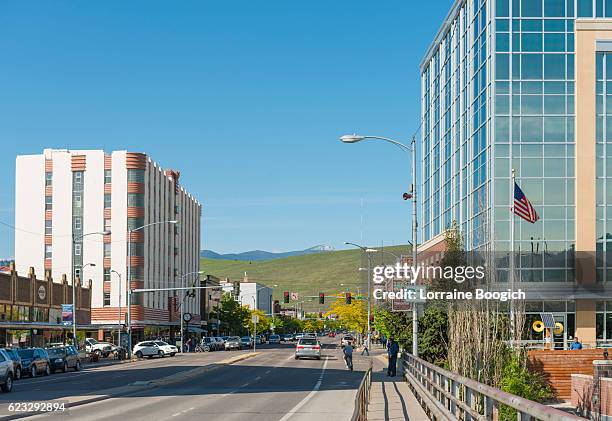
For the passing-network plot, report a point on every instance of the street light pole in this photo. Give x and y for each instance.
(367, 252)
(182, 304)
(74, 240)
(119, 324)
(128, 282)
(413, 195)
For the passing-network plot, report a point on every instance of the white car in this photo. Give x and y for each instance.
(147, 349)
(166, 348)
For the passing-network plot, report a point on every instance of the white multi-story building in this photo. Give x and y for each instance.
(256, 295)
(66, 195)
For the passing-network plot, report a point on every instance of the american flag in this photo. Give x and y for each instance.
(522, 206)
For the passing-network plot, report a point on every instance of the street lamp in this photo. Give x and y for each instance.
(75, 238)
(119, 325)
(129, 279)
(183, 302)
(354, 138)
(368, 252)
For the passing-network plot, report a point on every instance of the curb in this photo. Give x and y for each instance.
(136, 387)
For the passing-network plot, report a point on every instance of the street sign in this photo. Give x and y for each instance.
(187, 317)
(255, 318)
(295, 296)
(227, 287)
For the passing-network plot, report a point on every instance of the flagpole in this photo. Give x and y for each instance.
(512, 310)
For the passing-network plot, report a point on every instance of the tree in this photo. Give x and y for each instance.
(352, 316)
(263, 325)
(232, 314)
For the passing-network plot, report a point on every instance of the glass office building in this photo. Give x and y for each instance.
(524, 85)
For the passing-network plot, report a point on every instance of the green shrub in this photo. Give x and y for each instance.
(518, 380)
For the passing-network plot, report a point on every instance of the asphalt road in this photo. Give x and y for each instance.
(270, 386)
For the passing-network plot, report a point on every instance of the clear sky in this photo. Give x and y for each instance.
(245, 98)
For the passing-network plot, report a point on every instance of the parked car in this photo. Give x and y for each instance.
(308, 348)
(63, 358)
(259, 340)
(14, 355)
(102, 348)
(166, 348)
(34, 361)
(274, 339)
(6, 371)
(233, 342)
(147, 349)
(220, 343)
(332, 334)
(247, 342)
(287, 337)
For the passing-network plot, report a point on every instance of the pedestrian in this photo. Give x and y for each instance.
(576, 345)
(384, 341)
(392, 351)
(365, 347)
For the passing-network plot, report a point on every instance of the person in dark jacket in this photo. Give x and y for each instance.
(392, 351)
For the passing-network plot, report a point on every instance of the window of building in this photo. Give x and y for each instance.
(48, 251)
(107, 249)
(48, 178)
(107, 275)
(77, 249)
(107, 224)
(78, 199)
(136, 176)
(134, 223)
(78, 177)
(107, 201)
(135, 200)
(108, 176)
(48, 202)
(107, 300)
(48, 227)
(78, 223)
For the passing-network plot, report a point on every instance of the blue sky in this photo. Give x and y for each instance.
(245, 98)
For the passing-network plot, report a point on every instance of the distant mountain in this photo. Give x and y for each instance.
(257, 255)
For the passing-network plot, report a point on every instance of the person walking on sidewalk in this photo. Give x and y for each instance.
(365, 347)
(392, 351)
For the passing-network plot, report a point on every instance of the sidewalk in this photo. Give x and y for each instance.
(390, 397)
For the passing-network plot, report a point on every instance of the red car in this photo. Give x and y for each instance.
(332, 334)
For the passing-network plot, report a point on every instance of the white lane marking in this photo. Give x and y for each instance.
(308, 397)
(245, 385)
(258, 378)
(182, 412)
(268, 372)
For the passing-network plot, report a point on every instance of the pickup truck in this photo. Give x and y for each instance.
(102, 348)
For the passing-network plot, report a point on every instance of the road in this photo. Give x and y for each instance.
(269, 386)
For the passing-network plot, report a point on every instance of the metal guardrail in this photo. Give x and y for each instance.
(449, 396)
(363, 397)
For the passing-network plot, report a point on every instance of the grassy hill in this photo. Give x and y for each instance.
(307, 275)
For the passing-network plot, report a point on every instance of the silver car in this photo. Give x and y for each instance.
(308, 348)
(7, 373)
(233, 342)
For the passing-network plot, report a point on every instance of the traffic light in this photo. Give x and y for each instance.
(348, 298)
(286, 297)
(321, 298)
